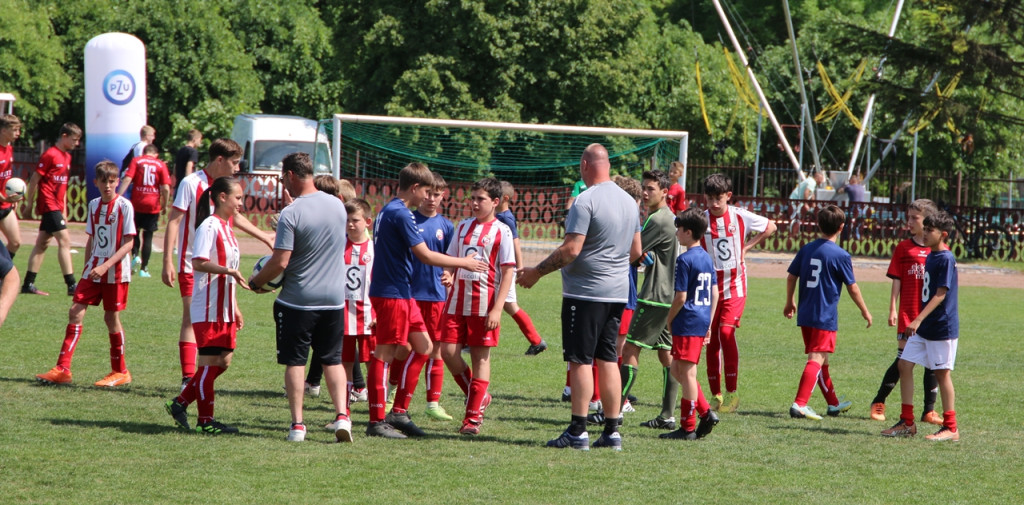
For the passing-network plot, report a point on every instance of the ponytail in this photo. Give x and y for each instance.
(220, 185)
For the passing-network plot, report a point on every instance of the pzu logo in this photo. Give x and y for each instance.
(119, 87)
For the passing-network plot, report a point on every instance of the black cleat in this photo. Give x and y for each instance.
(72, 288)
(215, 428)
(680, 434)
(30, 289)
(534, 350)
(404, 424)
(383, 429)
(706, 424)
(179, 412)
(660, 423)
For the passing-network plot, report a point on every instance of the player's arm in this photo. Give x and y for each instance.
(854, 291)
(677, 304)
(243, 223)
(97, 273)
(434, 258)
(30, 194)
(790, 307)
(125, 182)
(760, 237)
(566, 253)
(88, 251)
(894, 298)
(210, 267)
(239, 320)
(189, 167)
(170, 273)
(635, 249)
(9, 289)
(519, 253)
(936, 300)
(165, 196)
(494, 314)
(272, 268)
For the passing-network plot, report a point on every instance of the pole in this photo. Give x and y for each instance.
(757, 153)
(336, 147)
(899, 133)
(913, 172)
(803, 91)
(684, 144)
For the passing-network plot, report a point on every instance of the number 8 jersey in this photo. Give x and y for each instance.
(358, 265)
(109, 224)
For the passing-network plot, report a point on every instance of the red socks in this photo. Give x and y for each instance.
(435, 378)
(730, 355)
(477, 392)
(907, 414)
(67, 349)
(596, 397)
(464, 379)
(807, 381)
(949, 419)
(376, 388)
(689, 419)
(201, 388)
(117, 352)
(526, 326)
(825, 383)
(410, 377)
(187, 352)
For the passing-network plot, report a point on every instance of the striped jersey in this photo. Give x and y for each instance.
(6, 171)
(110, 225)
(189, 191)
(358, 265)
(476, 292)
(213, 296)
(724, 242)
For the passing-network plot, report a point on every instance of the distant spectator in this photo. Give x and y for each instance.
(186, 158)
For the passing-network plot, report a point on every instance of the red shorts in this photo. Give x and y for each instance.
(433, 317)
(818, 340)
(729, 311)
(469, 331)
(687, 348)
(366, 344)
(627, 317)
(185, 282)
(114, 296)
(396, 318)
(215, 334)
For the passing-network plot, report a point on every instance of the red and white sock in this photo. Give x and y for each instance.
(67, 348)
(477, 392)
(435, 379)
(807, 381)
(688, 409)
(701, 404)
(187, 352)
(463, 380)
(117, 363)
(526, 326)
(204, 387)
(409, 378)
(825, 383)
(730, 356)
(376, 388)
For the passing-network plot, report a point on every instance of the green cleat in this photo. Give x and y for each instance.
(437, 412)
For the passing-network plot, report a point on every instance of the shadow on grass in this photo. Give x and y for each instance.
(141, 428)
(805, 426)
(530, 400)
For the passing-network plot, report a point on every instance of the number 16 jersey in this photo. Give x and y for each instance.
(358, 265)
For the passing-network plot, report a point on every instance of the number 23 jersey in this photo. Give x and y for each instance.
(109, 224)
(358, 265)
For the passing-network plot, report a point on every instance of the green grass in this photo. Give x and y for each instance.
(78, 444)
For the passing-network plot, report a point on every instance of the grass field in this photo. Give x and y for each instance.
(81, 445)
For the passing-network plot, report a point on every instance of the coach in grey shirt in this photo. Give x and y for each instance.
(308, 311)
(602, 236)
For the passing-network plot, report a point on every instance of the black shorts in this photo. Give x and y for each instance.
(589, 330)
(148, 222)
(52, 222)
(5, 212)
(213, 351)
(298, 330)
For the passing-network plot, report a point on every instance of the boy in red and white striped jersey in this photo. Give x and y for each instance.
(358, 313)
(111, 228)
(726, 242)
(476, 300)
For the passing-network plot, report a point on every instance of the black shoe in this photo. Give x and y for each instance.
(660, 423)
(566, 397)
(534, 350)
(382, 429)
(596, 417)
(179, 412)
(706, 424)
(404, 424)
(31, 289)
(215, 428)
(680, 434)
(72, 288)
(632, 398)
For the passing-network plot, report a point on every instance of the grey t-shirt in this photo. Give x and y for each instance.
(313, 229)
(609, 218)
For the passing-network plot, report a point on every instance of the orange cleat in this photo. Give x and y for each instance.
(55, 376)
(944, 435)
(878, 411)
(114, 379)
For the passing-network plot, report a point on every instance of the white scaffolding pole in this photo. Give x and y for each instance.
(805, 110)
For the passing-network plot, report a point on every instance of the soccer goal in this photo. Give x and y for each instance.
(540, 160)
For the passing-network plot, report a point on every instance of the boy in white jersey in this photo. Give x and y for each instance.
(726, 242)
(358, 314)
(476, 300)
(111, 228)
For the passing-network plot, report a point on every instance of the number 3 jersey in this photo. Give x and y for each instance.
(358, 265)
(110, 225)
(822, 267)
(695, 276)
(475, 293)
(724, 242)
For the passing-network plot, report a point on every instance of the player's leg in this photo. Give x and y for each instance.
(63, 238)
(808, 379)
(889, 380)
(931, 392)
(611, 385)
(11, 231)
(478, 398)
(35, 261)
(714, 359)
(628, 370)
(409, 373)
(836, 405)
(294, 337)
(327, 347)
(949, 430)
(188, 351)
(670, 389)
(146, 252)
(213, 362)
(525, 323)
(61, 373)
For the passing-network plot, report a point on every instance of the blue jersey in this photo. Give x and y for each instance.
(633, 274)
(944, 322)
(695, 276)
(509, 219)
(394, 235)
(823, 267)
(437, 232)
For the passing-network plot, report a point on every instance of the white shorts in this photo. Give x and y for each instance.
(511, 298)
(934, 354)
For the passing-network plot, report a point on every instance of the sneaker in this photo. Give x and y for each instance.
(932, 417)
(144, 274)
(114, 379)
(136, 263)
(72, 288)
(660, 423)
(595, 405)
(878, 411)
(55, 376)
(312, 390)
(470, 427)
(382, 429)
(534, 350)
(403, 423)
(566, 439)
(900, 429)
(31, 289)
(297, 433)
(438, 412)
(680, 434)
(716, 402)
(179, 412)
(805, 412)
(944, 435)
(730, 402)
(613, 441)
(596, 417)
(216, 428)
(834, 411)
(628, 407)
(357, 395)
(706, 424)
(566, 394)
(342, 428)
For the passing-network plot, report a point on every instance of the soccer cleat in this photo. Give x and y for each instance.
(470, 427)
(534, 350)
(628, 407)
(179, 412)
(834, 411)
(312, 390)
(144, 274)
(680, 434)
(114, 379)
(805, 412)
(72, 288)
(944, 435)
(900, 429)
(566, 394)
(632, 398)
(878, 411)
(613, 441)
(357, 395)
(55, 376)
(342, 430)
(403, 423)
(707, 423)
(730, 402)
(136, 263)
(660, 423)
(566, 439)
(297, 433)
(31, 289)
(595, 405)
(932, 417)
(383, 429)
(596, 417)
(216, 428)
(716, 402)
(438, 412)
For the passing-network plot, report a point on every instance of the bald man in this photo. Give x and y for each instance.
(602, 236)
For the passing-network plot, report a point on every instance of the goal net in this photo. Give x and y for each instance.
(541, 161)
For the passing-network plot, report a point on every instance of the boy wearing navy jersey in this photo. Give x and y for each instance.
(522, 319)
(821, 267)
(933, 333)
(689, 319)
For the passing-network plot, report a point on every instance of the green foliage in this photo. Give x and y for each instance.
(31, 67)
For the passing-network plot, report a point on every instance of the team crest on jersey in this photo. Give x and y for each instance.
(439, 234)
(732, 228)
(367, 257)
(111, 218)
(486, 240)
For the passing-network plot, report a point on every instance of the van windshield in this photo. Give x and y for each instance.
(267, 155)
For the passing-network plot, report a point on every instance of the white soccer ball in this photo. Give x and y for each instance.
(272, 283)
(15, 186)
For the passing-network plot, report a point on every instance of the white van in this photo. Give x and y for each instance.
(266, 139)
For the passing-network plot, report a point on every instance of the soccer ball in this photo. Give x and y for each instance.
(15, 186)
(272, 283)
